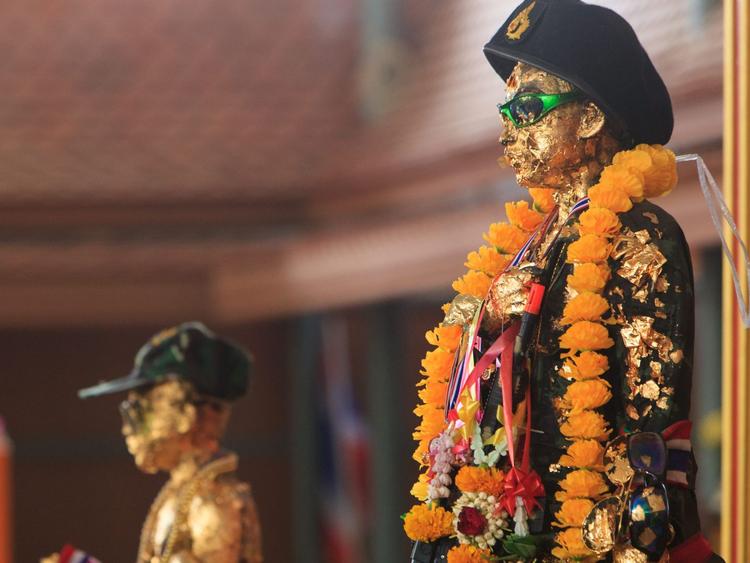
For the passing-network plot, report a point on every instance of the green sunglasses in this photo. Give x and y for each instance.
(526, 109)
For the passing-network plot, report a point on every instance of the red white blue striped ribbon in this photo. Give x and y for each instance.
(461, 366)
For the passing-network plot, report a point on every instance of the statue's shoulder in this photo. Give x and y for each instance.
(646, 215)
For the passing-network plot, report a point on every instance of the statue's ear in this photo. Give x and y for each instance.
(188, 418)
(592, 121)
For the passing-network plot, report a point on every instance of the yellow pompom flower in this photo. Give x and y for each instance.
(584, 426)
(586, 335)
(573, 512)
(661, 178)
(470, 479)
(590, 364)
(433, 392)
(424, 523)
(610, 197)
(520, 215)
(599, 221)
(586, 365)
(437, 364)
(543, 200)
(487, 260)
(634, 158)
(420, 488)
(589, 248)
(571, 545)
(589, 277)
(584, 454)
(473, 283)
(626, 178)
(421, 452)
(446, 337)
(468, 554)
(506, 238)
(585, 306)
(581, 483)
(433, 422)
(590, 394)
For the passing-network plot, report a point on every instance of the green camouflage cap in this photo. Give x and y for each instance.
(216, 367)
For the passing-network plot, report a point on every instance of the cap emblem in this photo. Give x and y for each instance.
(520, 23)
(162, 336)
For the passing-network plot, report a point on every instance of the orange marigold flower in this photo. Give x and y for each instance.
(584, 454)
(420, 488)
(573, 512)
(598, 221)
(468, 554)
(473, 283)
(589, 277)
(543, 200)
(661, 178)
(433, 422)
(624, 177)
(634, 158)
(421, 452)
(585, 425)
(585, 306)
(581, 483)
(571, 545)
(590, 364)
(488, 480)
(586, 365)
(424, 523)
(433, 392)
(590, 394)
(446, 337)
(610, 197)
(437, 364)
(589, 248)
(506, 238)
(487, 260)
(520, 215)
(586, 335)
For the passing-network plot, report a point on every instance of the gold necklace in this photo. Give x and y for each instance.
(185, 495)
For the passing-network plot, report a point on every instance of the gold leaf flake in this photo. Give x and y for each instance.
(676, 356)
(650, 390)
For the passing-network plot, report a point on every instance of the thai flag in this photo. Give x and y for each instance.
(345, 451)
(70, 554)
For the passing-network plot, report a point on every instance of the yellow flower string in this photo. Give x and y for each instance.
(505, 240)
(644, 171)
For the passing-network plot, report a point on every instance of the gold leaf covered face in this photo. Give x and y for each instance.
(157, 425)
(564, 148)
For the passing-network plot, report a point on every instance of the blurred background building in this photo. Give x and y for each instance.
(305, 176)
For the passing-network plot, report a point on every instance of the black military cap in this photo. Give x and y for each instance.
(597, 51)
(216, 367)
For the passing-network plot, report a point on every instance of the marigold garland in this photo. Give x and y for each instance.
(483, 264)
(644, 171)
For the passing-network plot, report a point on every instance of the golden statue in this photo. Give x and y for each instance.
(175, 414)
(555, 404)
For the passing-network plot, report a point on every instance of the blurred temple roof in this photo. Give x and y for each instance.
(240, 159)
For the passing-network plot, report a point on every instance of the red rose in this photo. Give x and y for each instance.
(471, 522)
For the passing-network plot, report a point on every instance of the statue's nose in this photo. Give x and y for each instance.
(508, 134)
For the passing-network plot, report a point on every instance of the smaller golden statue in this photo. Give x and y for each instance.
(177, 408)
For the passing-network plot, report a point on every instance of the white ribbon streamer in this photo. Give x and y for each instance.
(715, 199)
